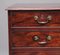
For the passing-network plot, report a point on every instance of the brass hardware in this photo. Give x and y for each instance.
(36, 17)
(49, 38)
(36, 38)
(42, 43)
(48, 19)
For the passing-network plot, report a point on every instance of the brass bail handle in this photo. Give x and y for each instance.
(48, 19)
(48, 38)
(37, 38)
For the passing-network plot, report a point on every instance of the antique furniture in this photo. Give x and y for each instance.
(34, 29)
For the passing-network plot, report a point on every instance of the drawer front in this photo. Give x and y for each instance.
(37, 53)
(35, 39)
(34, 18)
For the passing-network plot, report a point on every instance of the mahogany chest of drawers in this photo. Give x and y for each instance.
(34, 29)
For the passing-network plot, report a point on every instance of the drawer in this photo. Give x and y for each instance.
(35, 39)
(36, 53)
(34, 18)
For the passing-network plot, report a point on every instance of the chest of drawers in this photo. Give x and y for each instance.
(34, 29)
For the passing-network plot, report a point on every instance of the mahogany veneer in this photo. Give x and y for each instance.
(37, 53)
(25, 39)
(26, 18)
(34, 29)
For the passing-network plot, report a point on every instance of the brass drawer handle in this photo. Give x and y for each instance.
(48, 38)
(42, 43)
(48, 19)
(37, 38)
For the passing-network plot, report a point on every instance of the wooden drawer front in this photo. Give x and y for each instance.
(37, 53)
(28, 18)
(35, 39)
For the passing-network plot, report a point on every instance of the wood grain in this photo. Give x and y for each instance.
(26, 18)
(25, 39)
(38, 53)
(23, 27)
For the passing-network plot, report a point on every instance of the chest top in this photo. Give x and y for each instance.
(53, 6)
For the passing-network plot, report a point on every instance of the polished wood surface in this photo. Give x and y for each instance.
(25, 39)
(23, 29)
(26, 18)
(36, 53)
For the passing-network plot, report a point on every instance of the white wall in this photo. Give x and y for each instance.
(4, 20)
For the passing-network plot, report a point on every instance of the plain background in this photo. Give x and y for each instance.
(4, 20)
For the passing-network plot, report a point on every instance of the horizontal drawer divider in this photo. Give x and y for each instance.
(36, 30)
(55, 29)
(38, 27)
